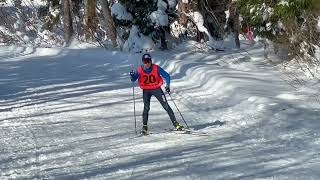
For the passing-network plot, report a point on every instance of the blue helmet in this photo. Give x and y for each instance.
(146, 57)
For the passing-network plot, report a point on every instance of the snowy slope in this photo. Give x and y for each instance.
(68, 114)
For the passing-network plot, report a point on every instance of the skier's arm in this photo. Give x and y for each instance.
(135, 76)
(165, 75)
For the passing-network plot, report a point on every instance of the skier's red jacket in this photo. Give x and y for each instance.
(151, 80)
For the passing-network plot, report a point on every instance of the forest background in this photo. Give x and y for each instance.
(290, 27)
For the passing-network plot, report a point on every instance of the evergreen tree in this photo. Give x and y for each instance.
(276, 19)
(287, 22)
(140, 10)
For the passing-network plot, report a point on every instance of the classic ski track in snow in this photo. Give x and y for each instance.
(68, 114)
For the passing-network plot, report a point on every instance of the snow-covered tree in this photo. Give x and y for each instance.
(292, 23)
(140, 11)
(151, 18)
(279, 19)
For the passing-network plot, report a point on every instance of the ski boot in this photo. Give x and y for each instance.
(178, 127)
(144, 130)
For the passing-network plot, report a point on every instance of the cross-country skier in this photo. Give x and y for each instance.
(149, 77)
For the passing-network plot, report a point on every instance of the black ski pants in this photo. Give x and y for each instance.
(158, 93)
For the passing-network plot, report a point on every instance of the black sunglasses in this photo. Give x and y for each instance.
(146, 61)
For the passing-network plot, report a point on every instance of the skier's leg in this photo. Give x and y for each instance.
(146, 102)
(158, 93)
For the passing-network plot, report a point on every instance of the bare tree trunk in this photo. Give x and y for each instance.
(163, 42)
(21, 19)
(77, 17)
(236, 28)
(234, 13)
(67, 21)
(110, 27)
(90, 19)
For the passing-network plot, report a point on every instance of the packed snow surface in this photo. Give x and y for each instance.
(68, 114)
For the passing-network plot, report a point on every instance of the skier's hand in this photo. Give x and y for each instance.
(131, 73)
(167, 89)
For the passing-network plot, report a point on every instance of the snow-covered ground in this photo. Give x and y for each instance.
(68, 114)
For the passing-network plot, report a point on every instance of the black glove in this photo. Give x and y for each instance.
(131, 73)
(167, 89)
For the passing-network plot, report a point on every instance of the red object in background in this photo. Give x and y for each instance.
(249, 33)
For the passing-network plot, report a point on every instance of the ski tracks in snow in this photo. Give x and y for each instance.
(74, 120)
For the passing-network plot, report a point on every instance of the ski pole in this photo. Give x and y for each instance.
(134, 109)
(178, 110)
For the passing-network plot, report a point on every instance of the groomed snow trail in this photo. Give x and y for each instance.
(68, 114)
